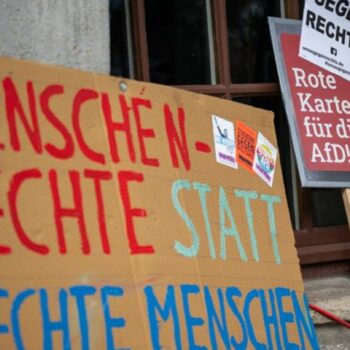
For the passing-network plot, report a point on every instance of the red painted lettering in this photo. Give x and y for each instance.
(68, 149)
(3, 248)
(174, 139)
(16, 182)
(112, 127)
(81, 98)
(141, 132)
(97, 176)
(124, 178)
(13, 108)
(76, 211)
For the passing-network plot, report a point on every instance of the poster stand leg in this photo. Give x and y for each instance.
(346, 200)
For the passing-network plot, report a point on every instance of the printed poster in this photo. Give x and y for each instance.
(317, 105)
(322, 107)
(325, 35)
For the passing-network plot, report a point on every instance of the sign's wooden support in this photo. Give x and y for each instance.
(346, 199)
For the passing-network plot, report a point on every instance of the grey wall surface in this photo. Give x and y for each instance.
(73, 33)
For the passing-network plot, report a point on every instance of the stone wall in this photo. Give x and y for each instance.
(73, 33)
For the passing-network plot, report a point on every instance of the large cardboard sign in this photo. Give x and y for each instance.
(325, 36)
(318, 109)
(120, 229)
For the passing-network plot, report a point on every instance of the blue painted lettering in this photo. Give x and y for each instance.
(216, 321)
(270, 200)
(225, 231)
(232, 292)
(179, 247)
(3, 327)
(285, 317)
(55, 326)
(253, 294)
(202, 191)
(304, 323)
(80, 292)
(111, 322)
(169, 309)
(270, 319)
(248, 196)
(16, 306)
(191, 321)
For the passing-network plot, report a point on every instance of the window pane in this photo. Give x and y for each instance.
(251, 56)
(178, 41)
(119, 38)
(328, 207)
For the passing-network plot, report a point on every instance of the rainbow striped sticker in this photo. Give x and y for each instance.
(265, 159)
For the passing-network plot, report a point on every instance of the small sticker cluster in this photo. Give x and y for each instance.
(245, 147)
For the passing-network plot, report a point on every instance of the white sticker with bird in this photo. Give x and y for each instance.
(224, 140)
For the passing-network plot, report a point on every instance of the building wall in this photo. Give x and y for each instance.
(73, 33)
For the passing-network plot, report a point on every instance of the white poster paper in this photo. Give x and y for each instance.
(224, 140)
(325, 37)
(265, 159)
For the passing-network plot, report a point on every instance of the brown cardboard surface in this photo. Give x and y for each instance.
(139, 239)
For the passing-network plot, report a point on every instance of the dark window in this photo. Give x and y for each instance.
(119, 40)
(327, 208)
(178, 41)
(251, 55)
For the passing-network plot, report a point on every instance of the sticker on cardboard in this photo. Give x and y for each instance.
(224, 139)
(246, 142)
(265, 159)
